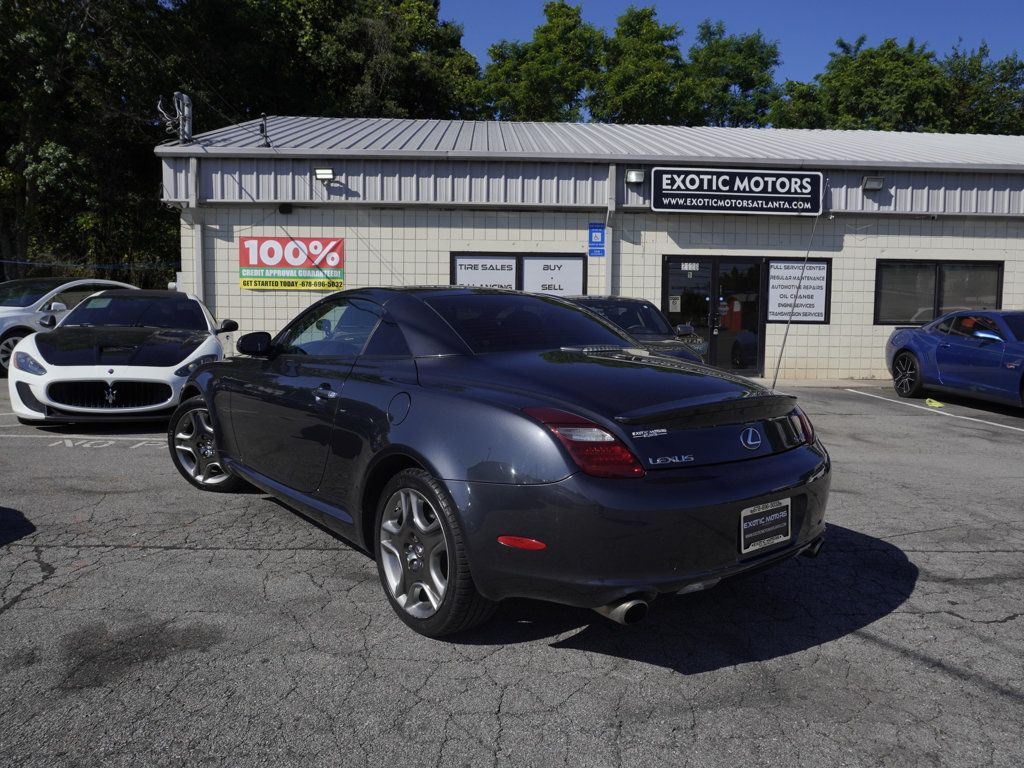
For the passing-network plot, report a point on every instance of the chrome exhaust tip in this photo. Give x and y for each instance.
(624, 611)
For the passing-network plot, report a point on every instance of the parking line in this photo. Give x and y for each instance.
(137, 438)
(936, 412)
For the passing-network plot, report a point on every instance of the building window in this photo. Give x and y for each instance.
(564, 274)
(916, 292)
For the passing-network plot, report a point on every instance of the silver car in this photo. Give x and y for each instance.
(23, 303)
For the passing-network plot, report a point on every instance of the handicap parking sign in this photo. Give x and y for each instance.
(595, 244)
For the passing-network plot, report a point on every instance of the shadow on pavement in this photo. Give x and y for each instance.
(105, 428)
(982, 408)
(13, 526)
(794, 606)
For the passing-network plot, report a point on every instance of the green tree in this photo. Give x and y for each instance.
(891, 87)
(729, 79)
(641, 70)
(985, 96)
(549, 77)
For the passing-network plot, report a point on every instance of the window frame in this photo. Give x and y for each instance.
(936, 265)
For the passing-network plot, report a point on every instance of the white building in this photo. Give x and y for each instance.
(717, 226)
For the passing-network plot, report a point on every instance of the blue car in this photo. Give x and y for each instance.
(979, 353)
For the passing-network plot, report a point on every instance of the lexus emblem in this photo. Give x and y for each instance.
(750, 439)
(111, 395)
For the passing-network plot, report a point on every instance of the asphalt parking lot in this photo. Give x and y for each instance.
(147, 623)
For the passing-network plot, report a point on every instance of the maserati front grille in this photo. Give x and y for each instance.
(101, 394)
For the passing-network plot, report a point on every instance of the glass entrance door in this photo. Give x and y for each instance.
(722, 298)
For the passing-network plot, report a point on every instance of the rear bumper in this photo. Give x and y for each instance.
(608, 539)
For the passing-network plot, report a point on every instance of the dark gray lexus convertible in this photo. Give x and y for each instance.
(487, 444)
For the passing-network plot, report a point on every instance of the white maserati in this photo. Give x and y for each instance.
(118, 355)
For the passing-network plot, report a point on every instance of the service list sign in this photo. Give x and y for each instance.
(798, 291)
(723, 190)
(292, 264)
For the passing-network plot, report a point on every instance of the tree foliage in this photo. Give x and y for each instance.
(549, 77)
(730, 79)
(641, 73)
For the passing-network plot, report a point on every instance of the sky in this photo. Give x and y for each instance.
(806, 31)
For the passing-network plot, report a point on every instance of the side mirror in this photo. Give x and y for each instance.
(227, 326)
(48, 322)
(254, 344)
(323, 324)
(57, 306)
(987, 336)
(684, 329)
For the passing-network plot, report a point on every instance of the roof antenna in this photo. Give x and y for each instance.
(263, 129)
(180, 122)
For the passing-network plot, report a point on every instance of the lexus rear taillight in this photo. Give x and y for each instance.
(597, 452)
(802, 425)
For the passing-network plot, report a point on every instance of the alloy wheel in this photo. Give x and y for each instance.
(7, 349)
(196, 449)
(905, 374)
(414, 553)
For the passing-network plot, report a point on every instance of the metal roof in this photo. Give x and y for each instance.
(331, 137)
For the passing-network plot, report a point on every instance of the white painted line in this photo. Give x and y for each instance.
(936, 411)
(56, 436)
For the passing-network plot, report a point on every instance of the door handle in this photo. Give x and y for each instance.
(324, 392)
(944, 346)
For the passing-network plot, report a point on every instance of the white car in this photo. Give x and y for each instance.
(23, 303)
(118, 355)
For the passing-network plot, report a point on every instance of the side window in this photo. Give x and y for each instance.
(967, 325)
(333, 329)
(387, 341)
(72, 297)
(943, 327)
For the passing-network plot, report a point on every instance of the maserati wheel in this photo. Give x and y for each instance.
(193, 447)
(906, 375)
(421, 558)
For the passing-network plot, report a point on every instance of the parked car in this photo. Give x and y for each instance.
(23, 303)
(487, 444)
(646, 323)
(119, 355)
(979, 353)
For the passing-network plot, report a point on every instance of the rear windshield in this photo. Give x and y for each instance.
(1016, 323)
(21, 293)
(126, 310)
(632, 316)
(502, 322)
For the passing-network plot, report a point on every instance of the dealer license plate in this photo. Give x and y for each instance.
(764, 525)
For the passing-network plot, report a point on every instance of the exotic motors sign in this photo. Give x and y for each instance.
(296, 264)
(720, 190)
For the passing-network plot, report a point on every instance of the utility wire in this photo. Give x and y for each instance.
(799, 283)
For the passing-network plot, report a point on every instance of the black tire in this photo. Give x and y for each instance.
(906, 375)
(7, 344)
(460, 606)
(193, 448)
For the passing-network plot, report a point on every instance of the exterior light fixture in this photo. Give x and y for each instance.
(872, 183)
(324, 174)
(634, 177)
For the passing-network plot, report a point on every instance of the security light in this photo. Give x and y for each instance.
(634, 177)
(872, 183)
(324, 174)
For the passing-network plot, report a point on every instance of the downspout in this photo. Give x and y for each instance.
(198, 265)
(609, 238)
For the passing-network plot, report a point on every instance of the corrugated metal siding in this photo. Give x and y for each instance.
(562, 185)
(910, 192)
(264, 180)
(597, 142)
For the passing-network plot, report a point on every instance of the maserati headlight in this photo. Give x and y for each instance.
(23, 361)
(185, 370)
